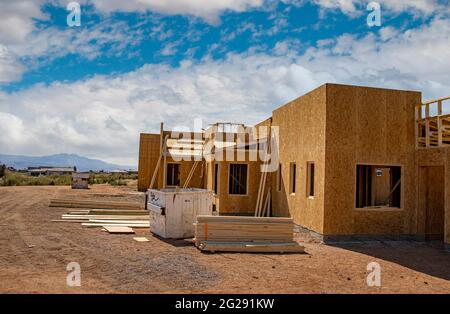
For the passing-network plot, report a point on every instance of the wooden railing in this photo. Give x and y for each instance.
(432, 124)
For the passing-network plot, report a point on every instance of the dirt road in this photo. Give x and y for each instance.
(34, 253)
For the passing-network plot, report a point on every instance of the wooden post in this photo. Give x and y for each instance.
(262, 183)
(190, 175)
(161, 148)
(439, 123)
(165, 169)
(417, 129)
(427, 125)
(155, 172)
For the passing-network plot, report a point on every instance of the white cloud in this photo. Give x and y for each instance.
(10, 68)
(16, 19)
(356, 7)
(415, 59)
(16, 23)
(103, 116)
(52, 43)
(48, 44)
(206, 9)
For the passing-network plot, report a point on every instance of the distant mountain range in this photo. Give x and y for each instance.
(59, 160)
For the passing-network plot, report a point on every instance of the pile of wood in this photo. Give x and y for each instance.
(113, 217)
(245, 234)
(86, 203)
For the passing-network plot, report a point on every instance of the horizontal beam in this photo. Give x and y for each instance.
(433, 101)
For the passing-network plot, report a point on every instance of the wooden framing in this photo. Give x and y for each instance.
(246, 178)
(394, 184)
(436, 126)
(338, 127)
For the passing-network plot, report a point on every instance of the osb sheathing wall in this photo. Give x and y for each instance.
(368, 126)
(301, 140)
(149, 151)
(435, 158)
(235, 204)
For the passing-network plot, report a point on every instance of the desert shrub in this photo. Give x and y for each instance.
(2, 170)
(115, 179)
(19, 179)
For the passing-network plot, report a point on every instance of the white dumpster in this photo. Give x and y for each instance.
(174, 211)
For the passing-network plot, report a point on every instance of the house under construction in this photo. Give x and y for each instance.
(351, 161)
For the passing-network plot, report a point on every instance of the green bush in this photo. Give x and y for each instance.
(2, 170)
(20, 179)
(111, 178)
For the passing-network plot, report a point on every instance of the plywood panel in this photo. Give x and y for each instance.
(149, 150)
(302, 139)
(238, 204)
(433, 158)
(368, 126)
(434, 204)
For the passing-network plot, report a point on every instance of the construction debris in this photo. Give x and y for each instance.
(78, 203)
(141, 239)
(119, 215)
(104, 224)
(119, 230)
(245, 234)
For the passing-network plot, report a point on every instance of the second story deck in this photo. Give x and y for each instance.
(433, 123)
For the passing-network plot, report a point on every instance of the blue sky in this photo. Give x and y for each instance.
(131, 64)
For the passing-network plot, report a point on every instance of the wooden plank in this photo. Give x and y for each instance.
(141, 239)
(244, 224)
(96, 224)
(247, 219)
(123, 222)
(94, 204)
(66, 220)
(237, 229)
(119, 230)
(427, 132)
(436, 100)
(90, 201)
(246, 247)
(118, 217)
(118, 212)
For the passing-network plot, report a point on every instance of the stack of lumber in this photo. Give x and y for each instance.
(245, 234)
(119, 216)
(86, 203)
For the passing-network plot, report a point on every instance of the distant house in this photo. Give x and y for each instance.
(118, 171)
(48, 171)
(80, 180)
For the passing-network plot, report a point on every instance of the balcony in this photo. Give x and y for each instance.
(433, 123)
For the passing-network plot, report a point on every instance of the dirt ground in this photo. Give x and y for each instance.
(34, 253)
